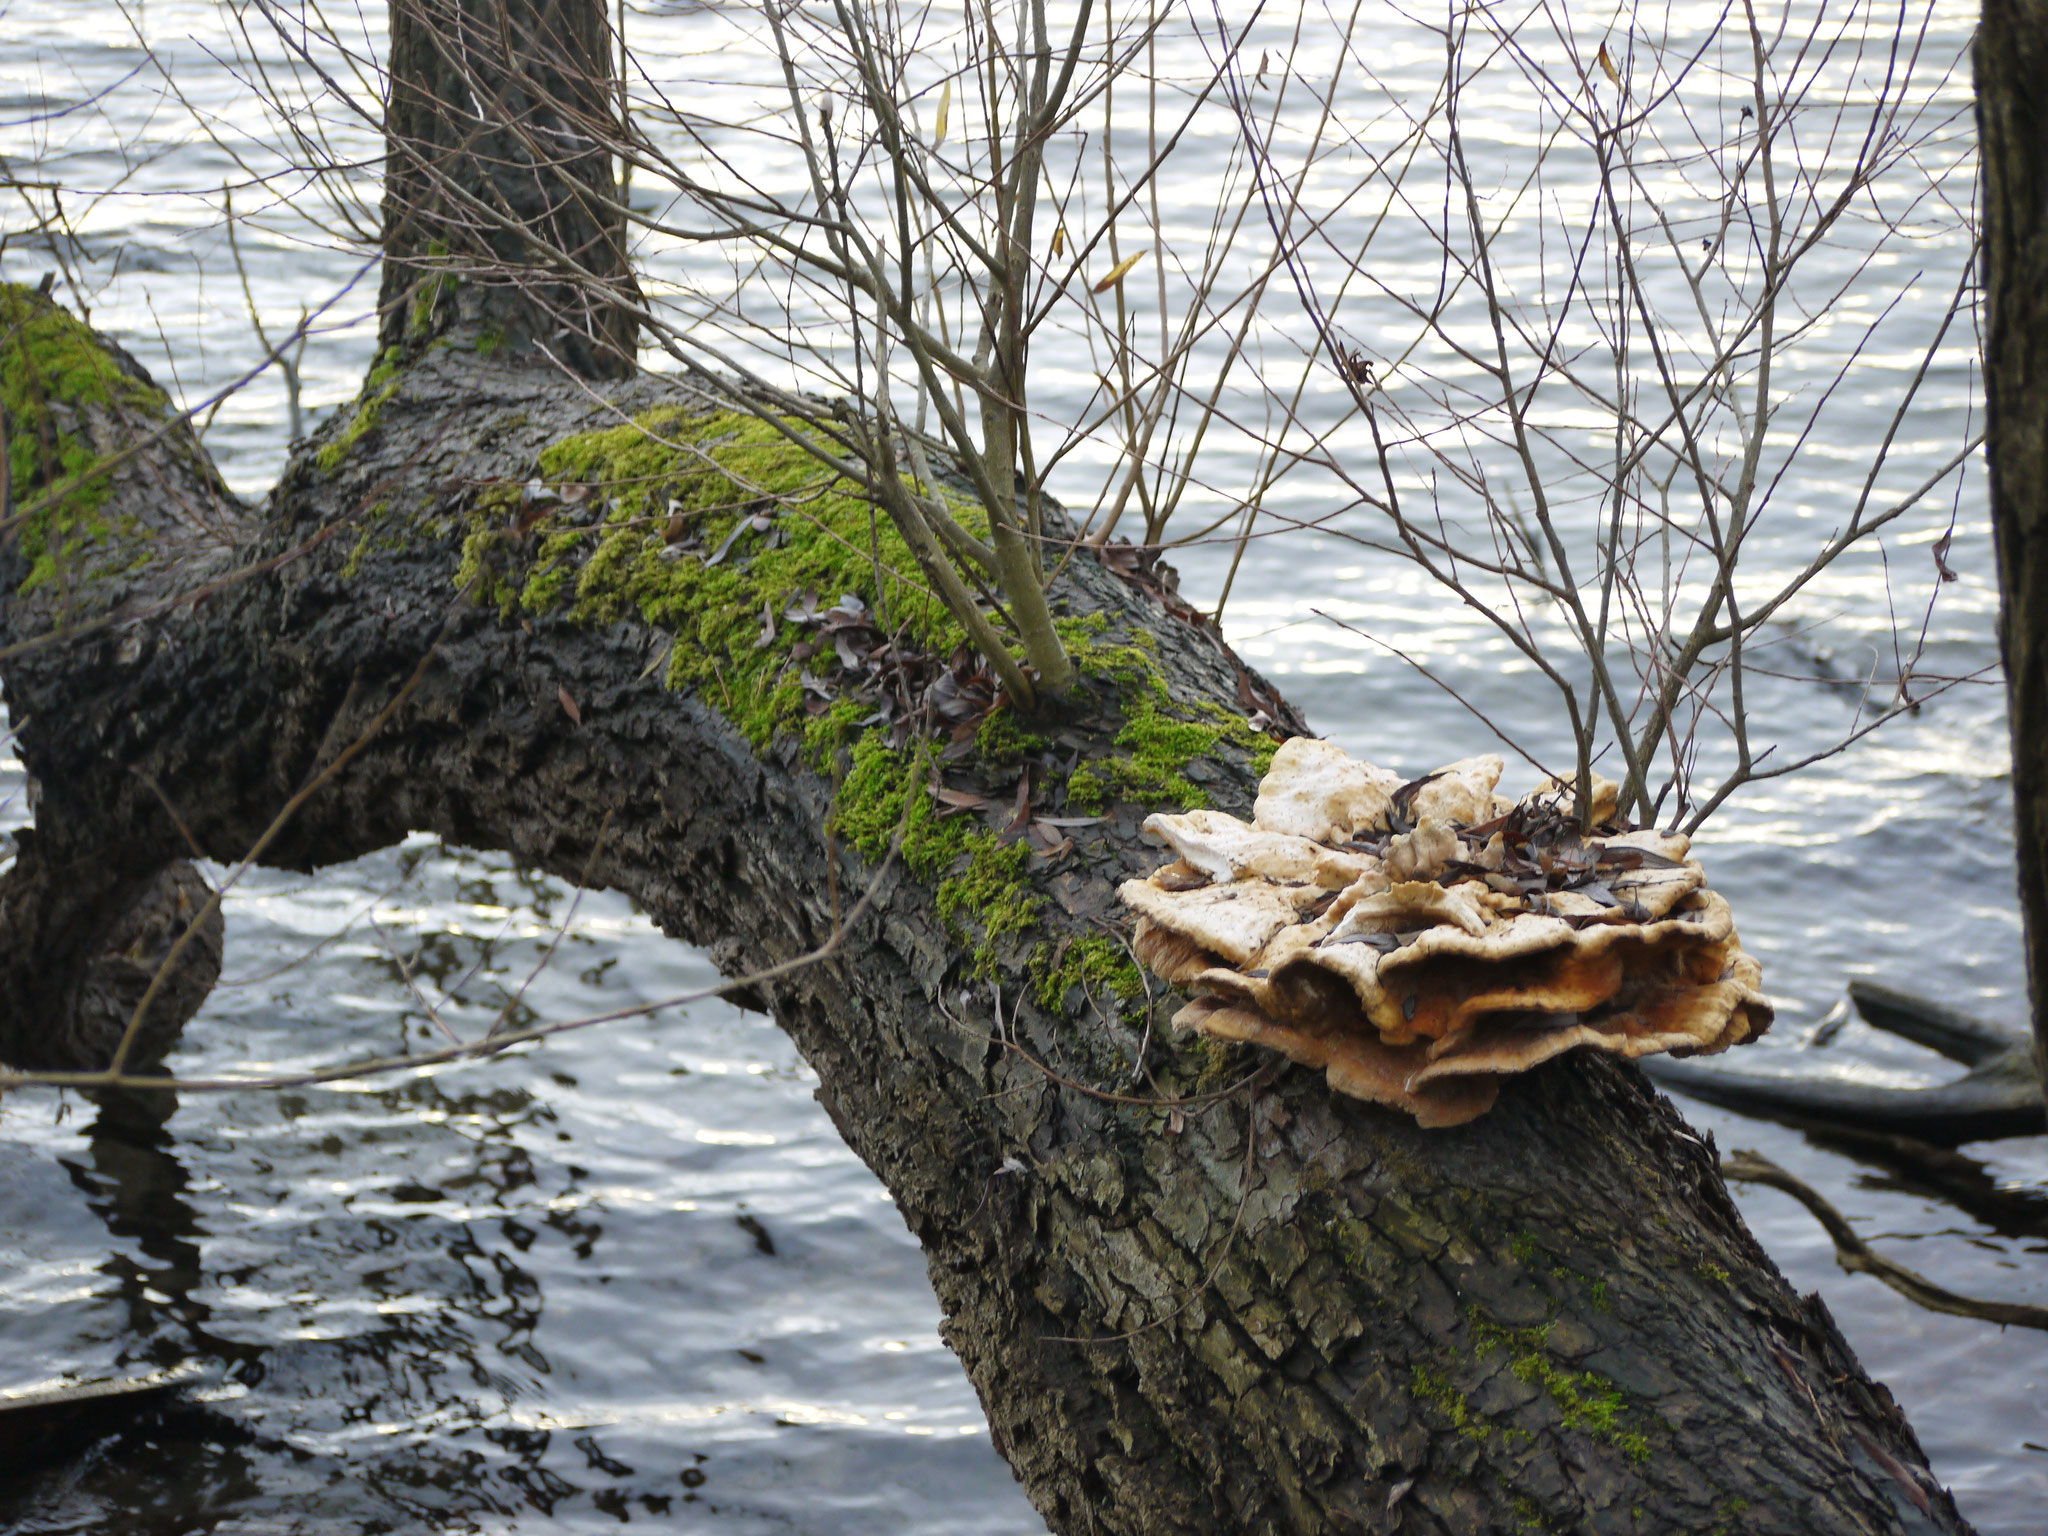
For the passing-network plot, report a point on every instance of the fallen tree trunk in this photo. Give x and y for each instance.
(1262, 1308)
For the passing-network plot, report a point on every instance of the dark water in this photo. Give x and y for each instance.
(634, 1278)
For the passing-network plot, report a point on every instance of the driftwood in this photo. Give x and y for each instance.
(2000, 1094)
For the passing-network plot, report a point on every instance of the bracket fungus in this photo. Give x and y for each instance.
(1421, 941)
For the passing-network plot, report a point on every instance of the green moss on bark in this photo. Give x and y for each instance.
(710, 526)
(1160, 736)
(378, 389)
(1003, 742)
(1588, 1400)
(1433, 1387)
(674, 478)
(991, 899)
(370, 540)
(1094, 965)
(984, 891)
(52, 371)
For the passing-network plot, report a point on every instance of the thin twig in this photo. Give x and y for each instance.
(1858, 1258)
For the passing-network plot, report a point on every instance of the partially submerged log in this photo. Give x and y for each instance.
(42, 1424)
(1999, 1096)
(1260, 1307)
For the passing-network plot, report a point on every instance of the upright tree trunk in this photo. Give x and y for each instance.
(501, 210)
(2012, 127)
(1261, 1308)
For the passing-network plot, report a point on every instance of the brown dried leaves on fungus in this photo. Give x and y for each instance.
(1421, 941)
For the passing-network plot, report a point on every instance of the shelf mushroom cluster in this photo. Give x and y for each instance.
(1419, 942)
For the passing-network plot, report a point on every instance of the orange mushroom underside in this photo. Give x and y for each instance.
(1462, 950)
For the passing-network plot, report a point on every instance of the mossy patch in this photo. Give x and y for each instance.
(666, 495)
(711, 526)
(1534, 1257)
(1160, 737)
(661, 534)
(991, 899)
(432, 282)
(1531, 1514)
(1432, 1386)
(1098, 965)
(370, 539)
(1002, 741)
(1348, 1239)
(52, 368)
(984, 893)
(378, 389)
(871, 806)
(1219, 1064)
(1587, 1400)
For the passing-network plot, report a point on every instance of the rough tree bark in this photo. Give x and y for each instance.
(501, 213)
(2012, 127)
(1268, 1310)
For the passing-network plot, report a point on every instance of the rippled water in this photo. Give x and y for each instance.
(635, 1277)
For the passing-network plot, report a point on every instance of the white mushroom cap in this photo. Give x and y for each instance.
(1460, 791)
(1422, 853)
(1314, 789)
(1407, 907)
(1233, 920)
(1224, 848)
(1454, 961)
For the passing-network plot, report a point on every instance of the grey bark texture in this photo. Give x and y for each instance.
(501, 212)
(2012, 127)
(1274, 1310)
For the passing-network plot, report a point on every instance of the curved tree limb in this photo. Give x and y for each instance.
(1556, 1309)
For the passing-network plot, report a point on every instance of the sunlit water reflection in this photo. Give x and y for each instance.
(635, 1275)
